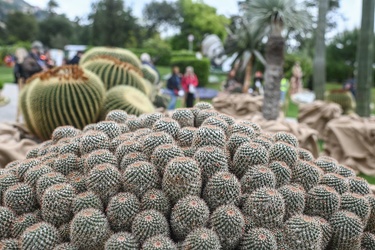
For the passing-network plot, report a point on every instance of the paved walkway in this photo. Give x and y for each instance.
(8, 112)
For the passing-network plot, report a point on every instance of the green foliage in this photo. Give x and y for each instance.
(159, 50)
(198, 19)
(201, 68)
(112, 24)
(55, 31)
(21, 27)
(342, 56)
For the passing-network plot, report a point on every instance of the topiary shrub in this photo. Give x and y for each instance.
(201, 68)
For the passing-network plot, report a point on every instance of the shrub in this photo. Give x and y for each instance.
(201, 68)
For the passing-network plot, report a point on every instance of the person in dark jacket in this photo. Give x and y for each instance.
(33, 63)
(173, 87)
(76, 58)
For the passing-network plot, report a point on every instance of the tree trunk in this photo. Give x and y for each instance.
(273, 76)
(365, 58)
(248, 71)
(319, 74)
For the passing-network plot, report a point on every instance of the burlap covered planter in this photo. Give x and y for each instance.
(316, 115)
(350, 140)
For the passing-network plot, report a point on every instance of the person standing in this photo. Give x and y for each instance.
(189, 85)
(76, 58)
(174, 87)
(33, 63)
(284, 87)
(296, 80)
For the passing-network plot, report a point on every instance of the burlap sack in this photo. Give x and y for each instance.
(307, 137)
(351, 140)
(246, 107)
(316, 115)
(12, 144)
(239, 105)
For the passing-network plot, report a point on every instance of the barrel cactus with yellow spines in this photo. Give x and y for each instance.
(342, 97)
(67, 95)
(129, 99)
(114, 72)
(150, 74)
(123, 55)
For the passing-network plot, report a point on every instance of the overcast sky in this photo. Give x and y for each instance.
(350, 9)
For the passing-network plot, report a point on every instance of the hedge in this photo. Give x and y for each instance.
(160, 57)
(201, 68)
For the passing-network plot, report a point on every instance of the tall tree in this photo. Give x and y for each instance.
(21, 27)
(198, 19)
(112, 24)
(365, 58)
(319, 73)
(51, 6)
(244, 39)
(55, 31)
(274, 16)
(161, 15)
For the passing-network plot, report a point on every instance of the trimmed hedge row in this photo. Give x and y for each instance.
(163, 57)
(201, 68)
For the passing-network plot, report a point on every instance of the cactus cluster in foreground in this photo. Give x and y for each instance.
(157, 182)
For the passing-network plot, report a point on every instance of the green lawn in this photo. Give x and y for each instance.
(6, 74)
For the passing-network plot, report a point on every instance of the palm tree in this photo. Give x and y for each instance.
(319, 75)
(244, 40)
(274, 17)
(365, 58)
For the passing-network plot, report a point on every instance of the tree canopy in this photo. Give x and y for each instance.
(21, 27)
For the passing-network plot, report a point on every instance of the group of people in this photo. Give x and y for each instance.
(182, 85)
(25, 64)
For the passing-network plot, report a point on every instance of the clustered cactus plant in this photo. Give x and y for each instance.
(164, 184)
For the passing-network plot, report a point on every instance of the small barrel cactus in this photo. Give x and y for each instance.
(128, 99)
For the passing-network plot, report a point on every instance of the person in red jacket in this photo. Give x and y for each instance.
(189, 83)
